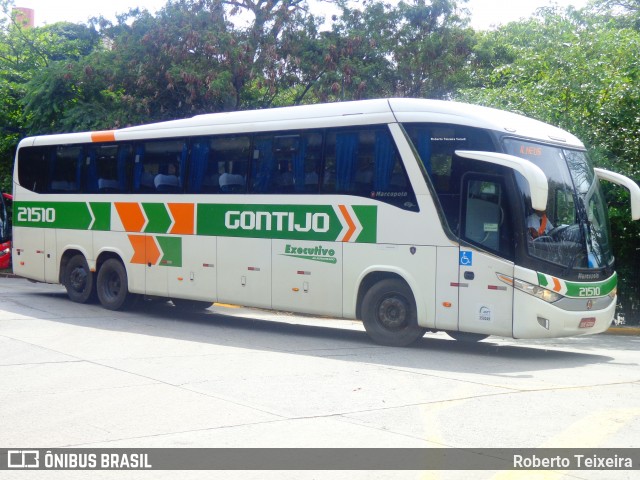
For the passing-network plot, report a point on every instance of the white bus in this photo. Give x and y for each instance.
(411, 215)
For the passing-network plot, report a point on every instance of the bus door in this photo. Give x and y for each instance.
(486, 245)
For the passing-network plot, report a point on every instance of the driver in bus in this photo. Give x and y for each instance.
(538, 225)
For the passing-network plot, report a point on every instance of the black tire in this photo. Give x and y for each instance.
(191, 305)
(466, 336)
(389, 314)
(79, 280)
(112, 286)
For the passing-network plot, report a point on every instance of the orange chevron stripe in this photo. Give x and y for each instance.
(352, 226)
(145, 249)
(152, 251)
(139, 249)
(556, 285)
(131, 216)
(184, 216)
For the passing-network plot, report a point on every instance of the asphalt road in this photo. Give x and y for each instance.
(80, 376)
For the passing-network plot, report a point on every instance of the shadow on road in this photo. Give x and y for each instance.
(249, 329)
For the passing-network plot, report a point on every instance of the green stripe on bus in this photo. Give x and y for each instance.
(65, 215)
(368, 217)
(583, 289)
(159, 219)
(288, 222)
(171, 251)
(102, 213)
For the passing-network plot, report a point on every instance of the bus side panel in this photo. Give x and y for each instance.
(486, 303)
(156, 281)
(50, 256)
(81, 240)
(195, 277)
(28, 252)
(244, 271)
(447, 279)
(415, 264)
(307, 277)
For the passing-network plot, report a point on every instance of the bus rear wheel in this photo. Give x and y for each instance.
(112, 286)
(389, 314)
(79, 280)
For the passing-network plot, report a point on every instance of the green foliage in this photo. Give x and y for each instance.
(580, 71)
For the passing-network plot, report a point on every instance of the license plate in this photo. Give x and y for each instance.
(587, 322)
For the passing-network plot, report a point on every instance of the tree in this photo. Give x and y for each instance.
(25, 53)
(580, 71)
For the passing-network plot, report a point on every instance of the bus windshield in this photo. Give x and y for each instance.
(574, 231)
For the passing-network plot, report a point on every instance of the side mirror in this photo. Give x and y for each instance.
(535, 177)
(626, 182)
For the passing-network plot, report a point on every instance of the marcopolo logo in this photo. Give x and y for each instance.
(316, 254)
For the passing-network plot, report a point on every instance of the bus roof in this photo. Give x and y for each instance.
(325, 115)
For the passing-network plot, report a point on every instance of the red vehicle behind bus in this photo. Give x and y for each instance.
(6, 201)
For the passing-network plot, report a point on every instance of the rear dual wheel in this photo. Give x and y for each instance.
(112, 286)
(78, 280)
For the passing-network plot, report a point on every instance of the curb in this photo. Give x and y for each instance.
(628, 331)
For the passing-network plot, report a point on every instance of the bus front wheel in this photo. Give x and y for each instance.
(389, 314)
(79, 280)
(113, 291)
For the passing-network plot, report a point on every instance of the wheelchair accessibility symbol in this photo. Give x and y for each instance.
(466, 259)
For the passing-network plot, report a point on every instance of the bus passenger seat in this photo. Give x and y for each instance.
(166, 183)
(63, 186)
(146, 182)
(231, 183)
(108, 185)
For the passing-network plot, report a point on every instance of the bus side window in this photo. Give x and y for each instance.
(229, 160)
(341, 155)
(286, 162)
(160, 166)
(366, 163)
(66, 169)
(33, 168)
(107, 168)
(436, 144)
(203, 167)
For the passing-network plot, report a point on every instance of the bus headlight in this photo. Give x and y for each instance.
(535, 290)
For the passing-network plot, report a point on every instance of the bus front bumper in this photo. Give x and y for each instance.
(535, 318)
